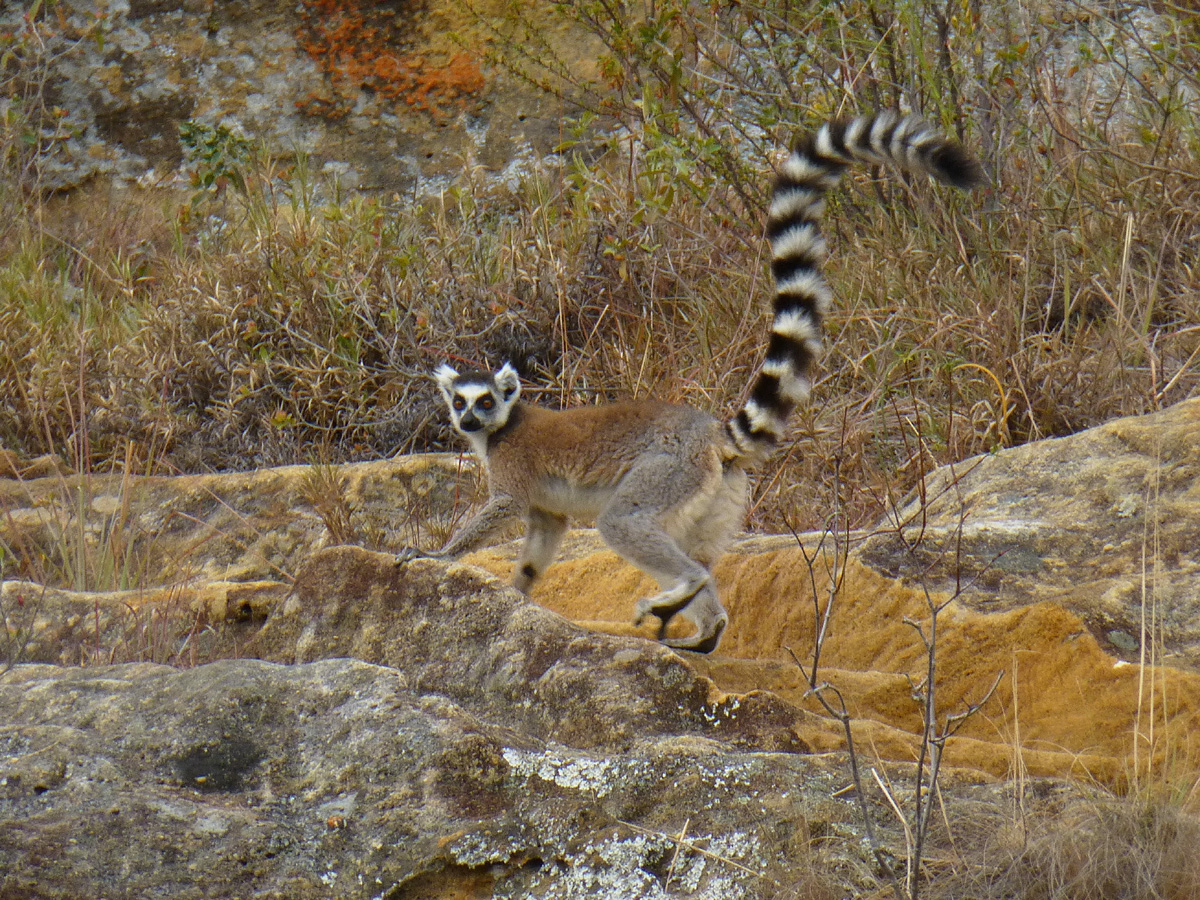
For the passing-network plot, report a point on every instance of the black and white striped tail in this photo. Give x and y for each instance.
(802, 296)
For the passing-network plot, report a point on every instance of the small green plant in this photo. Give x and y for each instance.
(217, 157)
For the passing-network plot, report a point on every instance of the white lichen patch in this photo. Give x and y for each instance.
(479, 850)
(578, 773)
(728, 774)
(653, 867)
(722, 711)
(745, 848)
(212, 825)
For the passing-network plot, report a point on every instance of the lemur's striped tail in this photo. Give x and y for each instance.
(802, 296)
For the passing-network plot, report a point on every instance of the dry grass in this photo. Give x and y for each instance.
(1077, 846)
(283, 322)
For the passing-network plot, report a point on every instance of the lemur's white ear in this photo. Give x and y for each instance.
(508, 381)
(445, 375)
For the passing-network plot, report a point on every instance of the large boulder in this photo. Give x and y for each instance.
(341, 778)
(451, 629)
(1104, 523)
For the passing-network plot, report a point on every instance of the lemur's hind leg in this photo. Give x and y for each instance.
(634, 524)
(665, 605)
(704, 529)
(544, 532)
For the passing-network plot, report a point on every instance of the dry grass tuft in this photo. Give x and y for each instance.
(1092, 848)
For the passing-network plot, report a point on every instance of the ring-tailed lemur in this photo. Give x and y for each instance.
(667, 484)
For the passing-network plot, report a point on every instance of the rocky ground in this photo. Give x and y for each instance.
(297, 78)
(332, 725)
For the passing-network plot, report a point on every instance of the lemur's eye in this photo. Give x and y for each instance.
(486, 403)
(459, 404)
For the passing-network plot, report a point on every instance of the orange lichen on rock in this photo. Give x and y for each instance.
(358, 46)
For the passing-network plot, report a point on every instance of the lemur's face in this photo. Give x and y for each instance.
(479, 403)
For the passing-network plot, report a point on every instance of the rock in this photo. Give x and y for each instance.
(338, 779)
(234, 527)
(1045, 657)
(1105, 523)
(177, 625)
(212, 553)
(126, 75)
(453, 630)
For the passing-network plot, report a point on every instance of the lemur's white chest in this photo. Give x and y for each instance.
(570, 498)
(561, 490)
(478, 441)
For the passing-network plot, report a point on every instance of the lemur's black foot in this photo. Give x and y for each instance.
(700, 642)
